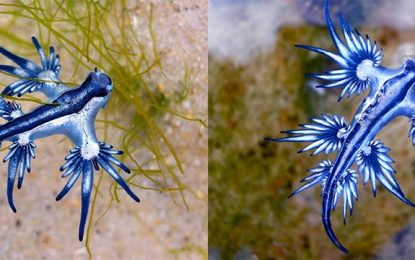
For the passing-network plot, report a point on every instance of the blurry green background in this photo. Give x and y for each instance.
(257, 88)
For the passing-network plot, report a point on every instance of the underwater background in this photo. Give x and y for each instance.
(155, 53)
(257, 88)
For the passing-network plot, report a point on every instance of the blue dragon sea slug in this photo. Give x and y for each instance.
(70, 112)
(391, 94)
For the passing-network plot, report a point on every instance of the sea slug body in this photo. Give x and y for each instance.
(70, 112)
(391, 94)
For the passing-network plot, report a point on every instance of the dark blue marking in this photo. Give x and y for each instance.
(68, 103)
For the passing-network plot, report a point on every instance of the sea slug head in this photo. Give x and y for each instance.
(409, 64)
(100, 85)
(409, 74)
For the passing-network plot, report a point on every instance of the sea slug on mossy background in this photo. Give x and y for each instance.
(391, 94)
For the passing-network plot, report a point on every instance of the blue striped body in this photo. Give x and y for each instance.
(68, 103)
(391, 94)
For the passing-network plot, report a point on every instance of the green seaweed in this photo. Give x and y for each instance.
(102, 34)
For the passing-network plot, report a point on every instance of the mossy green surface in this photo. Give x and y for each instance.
(250, 179)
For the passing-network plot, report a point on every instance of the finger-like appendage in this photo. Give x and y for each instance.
(22, 62)
(10, 110)
(116, 162)
(76, 164)
(108, 168)
(22, 166)
(44, 78)
(358, 58)
(327, 207)
(72, 168)
(87, 181)
(19, 72)
(326, 134)
(51, 60)
(41, 52)
(11, 176)
(21, 154)
(71, 181)
(317, 175)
